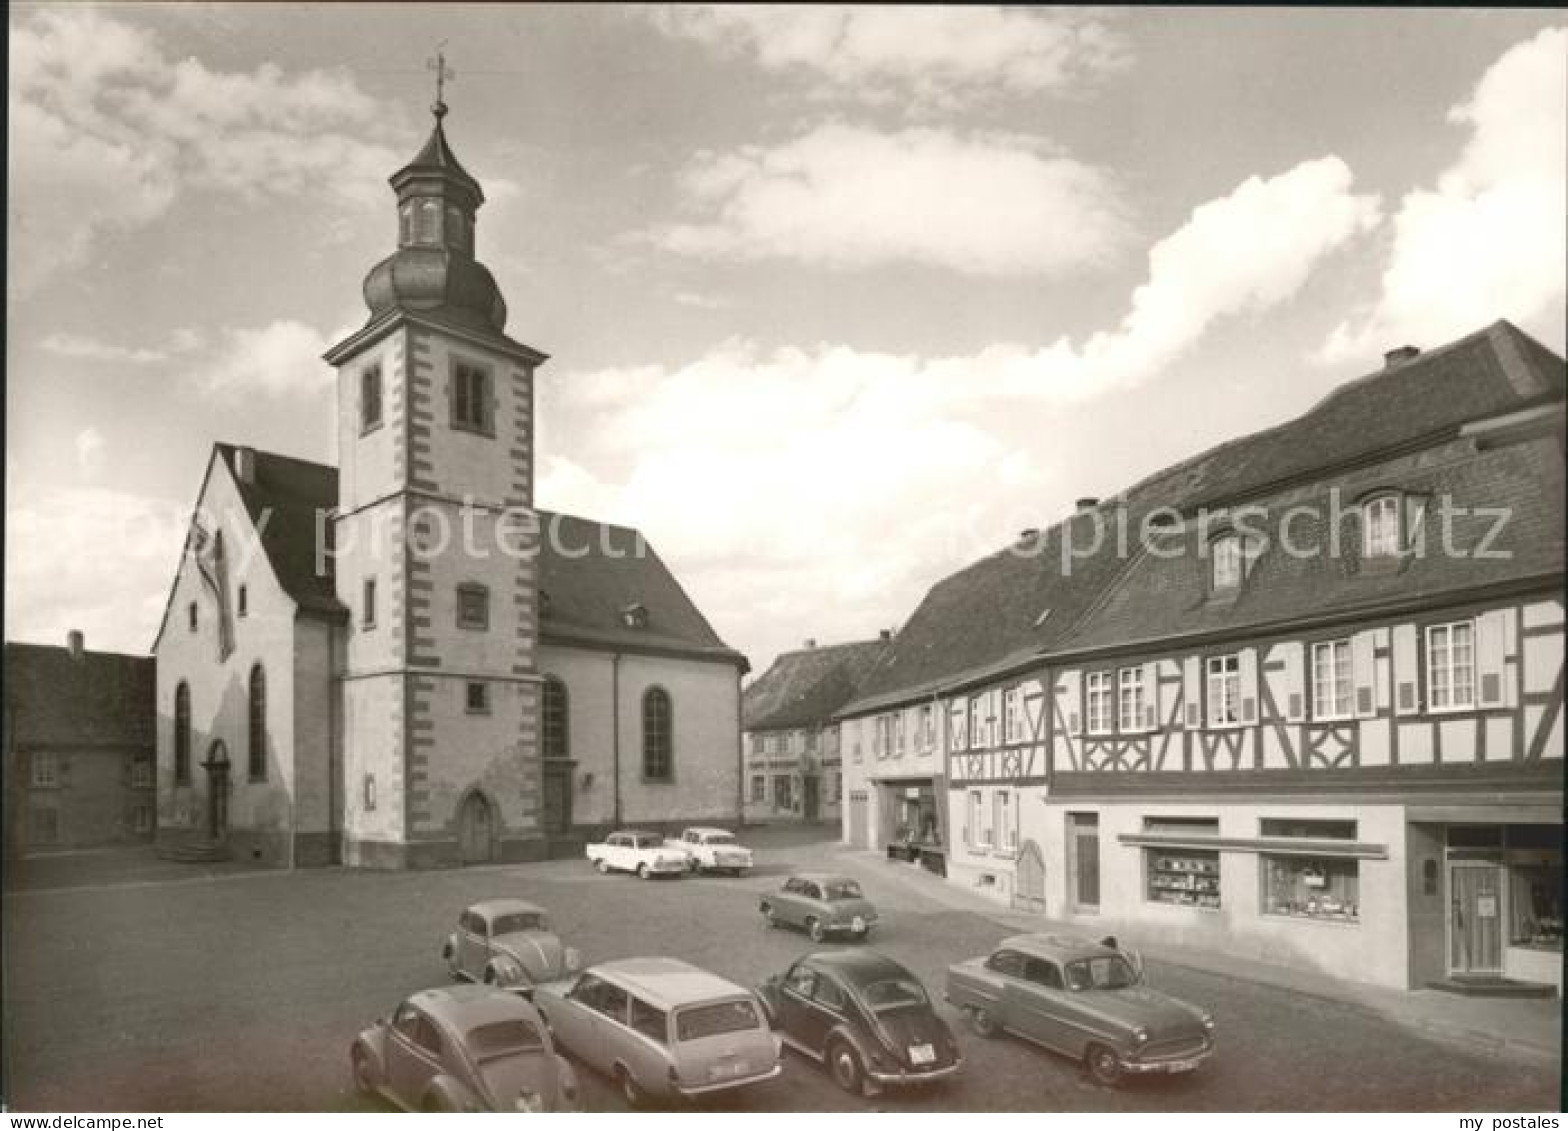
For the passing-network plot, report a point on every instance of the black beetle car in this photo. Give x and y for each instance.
(865, 1017)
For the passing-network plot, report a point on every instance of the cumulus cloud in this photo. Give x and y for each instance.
(735, 462)
(849, 197)
(912, 56)
(80, 347)
(280, 359)
(1488, 240)
(55, 558)
(107, 131)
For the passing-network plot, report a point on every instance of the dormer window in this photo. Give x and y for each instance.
(635, 616)
(1380, 532)
(1232, 557)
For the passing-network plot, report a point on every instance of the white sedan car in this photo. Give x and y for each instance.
(643, 854)
(713, 850)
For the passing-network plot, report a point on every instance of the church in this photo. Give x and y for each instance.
(401, 663)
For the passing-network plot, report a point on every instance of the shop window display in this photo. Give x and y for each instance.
(1190, 877)
(1536, 906)
(1310, 888)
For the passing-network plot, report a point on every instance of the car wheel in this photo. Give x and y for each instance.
(364, 1074)
(693, 865)
(983, 1023)
(814, 929)
(1102, 1065)
(631, 1091)
(844, 1063)
(769, 917)
(643, 873)
(603, 866)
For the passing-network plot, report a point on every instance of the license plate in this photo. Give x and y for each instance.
(921, 1054)
(1181, 1066)
(724, 1071)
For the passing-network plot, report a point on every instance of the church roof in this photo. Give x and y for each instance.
(437, 157)
(1004, 610)
(589, 572)
(803, 688)
(96, 699)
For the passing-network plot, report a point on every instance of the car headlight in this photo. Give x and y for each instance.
(529, 1101)
(1208, 1022)
(573, 958)
(1140, 1036)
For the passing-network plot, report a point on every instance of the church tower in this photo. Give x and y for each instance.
(435, 546)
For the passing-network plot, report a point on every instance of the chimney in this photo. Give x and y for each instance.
(1394, 358)
(1087, 503)
(811, 643)
(245, 464)
(74, 642)
(886, 635)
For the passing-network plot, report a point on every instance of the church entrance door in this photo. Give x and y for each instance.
(475, 830)
(217, 767)
(557, 799)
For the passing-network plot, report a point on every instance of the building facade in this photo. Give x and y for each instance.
(401, 661)
(79, 748)
(794, 768)
(1311, 715)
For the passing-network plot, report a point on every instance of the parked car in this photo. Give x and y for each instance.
(644, 854)
(463, 1048)
(662, 1028)
(1083, 999)
(865, 1017)
(821, 905)
(508, 943)
(713, 850)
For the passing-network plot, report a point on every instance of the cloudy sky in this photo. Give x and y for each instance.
(837, 299)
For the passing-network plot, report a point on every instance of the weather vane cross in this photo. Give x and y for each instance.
(443, 72)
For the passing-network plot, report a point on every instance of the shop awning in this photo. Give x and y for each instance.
(1273, 845)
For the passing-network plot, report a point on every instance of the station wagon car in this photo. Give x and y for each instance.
(508, 943)
(463, 1048)
(821, 905)
(662, 1028)
(865, 1017)
(1083, 999)
(643, 854)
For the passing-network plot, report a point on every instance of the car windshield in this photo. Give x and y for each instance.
(518, 921)
(893, 993)
(1113, 972)
(698, 1021)
(841, 889)
(503, 1038)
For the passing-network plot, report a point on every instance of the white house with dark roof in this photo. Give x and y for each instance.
(400, 662)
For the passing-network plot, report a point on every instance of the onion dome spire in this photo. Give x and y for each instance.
(434, 269)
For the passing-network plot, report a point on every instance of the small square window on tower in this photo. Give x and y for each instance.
(190, 616)
(473, 606)
(242, 601)
(370, 398)
(477, 697)
(471, 408)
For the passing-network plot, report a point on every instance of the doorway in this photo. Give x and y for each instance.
(475, 830)
(808, 797)
(557, 798)
(217, 767)
(1029, 893)
(1475, 917)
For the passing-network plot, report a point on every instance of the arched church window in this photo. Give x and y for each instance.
(658, 755)
(556, 719)
(182, 733)
(257, 729)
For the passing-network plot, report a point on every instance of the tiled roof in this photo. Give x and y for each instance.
(1522, 483)
(982, 619)
(101, 698)
(589, 572)
(290, 494)
(804, 688)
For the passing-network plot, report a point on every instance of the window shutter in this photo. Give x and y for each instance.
(1248, 663)
(1490, 648)
(1192, 690)
(1293, 680)
(1363, 674)
(1069, 701)
(1407, 670)
(1151, 696)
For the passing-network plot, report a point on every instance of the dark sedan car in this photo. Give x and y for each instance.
(463, 1048)
(864, 1017)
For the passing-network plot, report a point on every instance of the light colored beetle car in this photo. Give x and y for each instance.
(463, 1048)
(662, 1028)
(508, 943)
